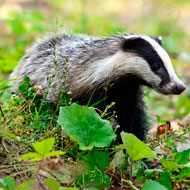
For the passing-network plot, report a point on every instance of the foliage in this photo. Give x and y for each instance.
(23, 29)
(86, 126)
(136, 149)
(43, 150)
(87, 130)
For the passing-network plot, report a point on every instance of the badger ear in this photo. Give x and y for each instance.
(158, 39)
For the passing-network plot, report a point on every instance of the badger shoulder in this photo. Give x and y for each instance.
(39, 61)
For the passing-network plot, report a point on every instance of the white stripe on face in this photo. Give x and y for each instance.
(175, 86)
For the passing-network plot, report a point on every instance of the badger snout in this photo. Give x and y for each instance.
(172, 87)
(180, 87)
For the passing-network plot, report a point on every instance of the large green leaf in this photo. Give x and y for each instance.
(135, 148)
(153, 185)
(86, 126)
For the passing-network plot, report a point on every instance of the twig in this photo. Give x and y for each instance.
(3, 143)
(13, 175)
(2, 113)
(18, 165)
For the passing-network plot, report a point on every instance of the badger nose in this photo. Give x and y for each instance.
(180, 88)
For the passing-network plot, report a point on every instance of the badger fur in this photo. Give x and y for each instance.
(116, 67)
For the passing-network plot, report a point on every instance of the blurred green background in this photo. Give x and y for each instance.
(22, 21)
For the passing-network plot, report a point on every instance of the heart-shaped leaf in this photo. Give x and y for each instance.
(85, 125)
(136, 148)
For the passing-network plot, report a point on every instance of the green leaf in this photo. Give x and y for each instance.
(25, 85)
(170, 164)
(54, 153)
(182, 157)
(44, 146)
(136, 148)
(26, 185)
(30, 155)
(153, 185)
(161, 121)
(35, 159)
(54, 185)
(97, 159)
(148, 173)
(165, 180)
(10, 183)
(185, 172)
(85, 125)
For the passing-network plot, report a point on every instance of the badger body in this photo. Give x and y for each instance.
(115, 67)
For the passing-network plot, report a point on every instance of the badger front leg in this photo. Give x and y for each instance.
(131, 114)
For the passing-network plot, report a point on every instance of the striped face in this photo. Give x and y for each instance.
(153, 64)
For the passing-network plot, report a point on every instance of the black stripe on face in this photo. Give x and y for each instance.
(145, 50)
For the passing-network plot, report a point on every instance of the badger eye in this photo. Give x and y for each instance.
(156, 67)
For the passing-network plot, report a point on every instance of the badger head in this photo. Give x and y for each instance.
(151, 63)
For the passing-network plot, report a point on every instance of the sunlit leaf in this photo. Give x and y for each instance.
(170, 164)
(54, 153)
(30, 155)
(135, 148)
(44, 146)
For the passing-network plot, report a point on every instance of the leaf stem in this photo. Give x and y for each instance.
(131, 170)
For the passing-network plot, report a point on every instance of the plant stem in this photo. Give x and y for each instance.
(131, 170)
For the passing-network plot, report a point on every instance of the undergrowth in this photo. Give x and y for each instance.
(68, 146)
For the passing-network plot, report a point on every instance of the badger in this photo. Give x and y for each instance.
(113, 68)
